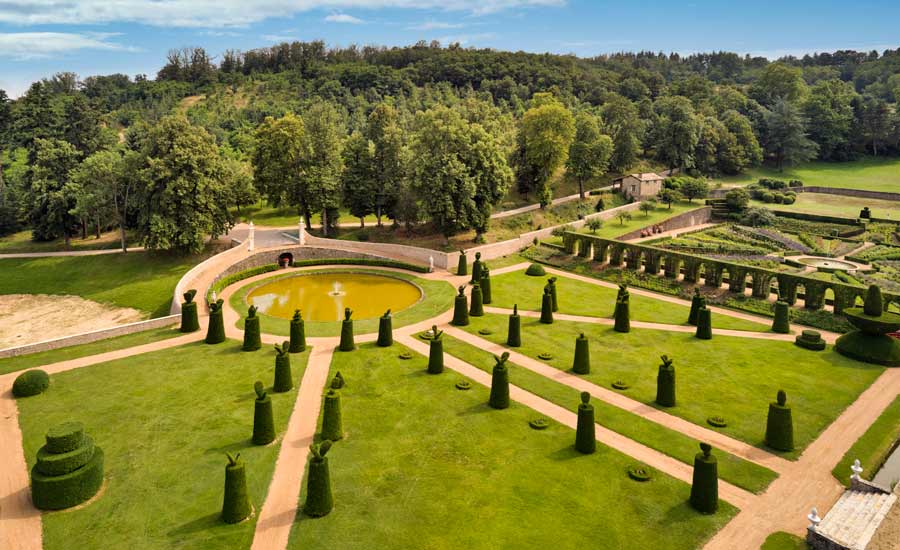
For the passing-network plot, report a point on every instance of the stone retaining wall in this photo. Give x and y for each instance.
(686, 219)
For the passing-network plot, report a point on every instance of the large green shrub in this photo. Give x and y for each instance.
(215, 333)
(298, 333)
(460, 309)
(252, 338)
(581, 364)
(870, 342)
(462, 268)
(705, 484)
(585, 434)
(236, 503)
(665, 383)
(704, 324)
(697, 302)
(476, 269)
(514, 333)
(332, 423)
(810, 339)
(284, 381)
(436, 352)
(780, 425)
(385, 330)
(68, 470)
(347, 332)
(499, 398)
(782, 323)
(319, 500)
(547, 307)
(190, 321)
(263, 419)
(30, 382)
(554, 301)
(535, 270)
(485, 285)
(476, 308)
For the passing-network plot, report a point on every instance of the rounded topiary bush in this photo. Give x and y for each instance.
(31, 382)
(332, 422)
(319, 500)
(463, 385)
(810, 339)
(665, 383)
(585, 434)
(263, 419)
(190, 322)
(780, 424)
(57, 464)
(717, 421)
(539, 423)
(284, 381)
(298, 333)
(68, 470)
(236, 504)
(460, 309)
(65, 437)
(620, 385)
(252, 338)
(514, 331)
(705, 483)
(870, 342)
(476, 308)
(385, 330)
(347, 332)
(581, 364)
(535, 270)
(499, 398)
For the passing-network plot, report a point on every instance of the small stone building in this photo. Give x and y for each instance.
(640, 186)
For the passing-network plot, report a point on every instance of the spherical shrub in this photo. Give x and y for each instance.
(31, 382)
(535, 270)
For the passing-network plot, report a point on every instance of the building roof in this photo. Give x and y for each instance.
(645, 176)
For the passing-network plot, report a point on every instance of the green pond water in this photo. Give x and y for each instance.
(323, 296)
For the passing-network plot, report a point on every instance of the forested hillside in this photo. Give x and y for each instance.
(414, 134)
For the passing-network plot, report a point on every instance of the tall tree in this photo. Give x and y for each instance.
(278, 161)
(546, 132)
(590, 152)
(388, 160)
(358, 182)
(785, 135)
(676, 132)
(778, 81)
(322, 166)
(874, 122)
(50, 195)
(106, 183)
(623, 124)
(750, 152)
(829, 110)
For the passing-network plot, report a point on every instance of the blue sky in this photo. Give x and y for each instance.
(41, 37)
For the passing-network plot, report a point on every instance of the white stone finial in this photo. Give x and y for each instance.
(301, 233)
(814, 519)
(430, 264)
(212, 296)
(857, 469)
(251, 238)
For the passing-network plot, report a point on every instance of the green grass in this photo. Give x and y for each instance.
(612, 228)
(438, 297)
(580, 298)
(784, 541)
(425, 465)
(33, 360)
(873, 447)
(165, 421)
(735, 470)
(874, 174)
(727, 376)
(21, 242)
(137, 280)
(265, 215)
(837, 205)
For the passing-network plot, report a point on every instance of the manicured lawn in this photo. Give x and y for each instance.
(32, 360)
(424, 465)
(837, 205)
(728, 376)
(612, 228)
(164, 421)
(280, 217)
(21, 242)
(438, 297)
(137, 279)
(875, 174)
(784, 541)
(580, 298)
(735, 470)
(873, 447)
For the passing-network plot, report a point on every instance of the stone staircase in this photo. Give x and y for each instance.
(853, 520)
(719, 208)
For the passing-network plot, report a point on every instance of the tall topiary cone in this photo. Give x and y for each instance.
(780, 424)
(190, 322)
(585, 435)
(283, 379)
(870, 342)
(215, 334)
(873, 306)
(547, 307)
(236, 504)
(476, 309)
(500, 383)
(298, 333)
(514, 333)
(554, 303)
(460, 309)
(622, 315)
(385, 330)
(704, 324)
(476, 269)
(347, 332)
(252, 339)
(705, 486)
(68, 470)
(697, 302)
(782, 323)
(485, 284)
(462, 268)
(665, 383)
(319, 500)
(263, 421)
(332, 425)
(436, 352)
(582, 362)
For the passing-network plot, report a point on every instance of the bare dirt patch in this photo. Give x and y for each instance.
(29, 318)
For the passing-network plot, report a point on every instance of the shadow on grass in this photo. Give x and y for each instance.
(203, 523)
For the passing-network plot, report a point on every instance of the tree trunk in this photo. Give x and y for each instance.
(325, 222)
(83, 229)
(362, 222)
(307, 218)
(581, 188)
(122, 236)
(68, 240)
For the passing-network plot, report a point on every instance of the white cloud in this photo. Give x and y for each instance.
(343, 18)
(219, 13)
(431, 25)
(36, 45)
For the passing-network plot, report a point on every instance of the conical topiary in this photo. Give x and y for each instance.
(190, 321)
(547, 307)
(332, 423)
(622, 315)
(514, 333)
(704, 324)
(476, 269)
(705, 485)
(873, 306)
(436, 352)
(236, 504)
(665, 383)
(476, 309)
(284, 381)
(485, 284)
(585, 434)
(582, 362)
(263, 420)
(385, 330)
(347, 332)
(782, 323)
(460, 309)
(319, 501)
(215, 334)
(462, 268)
(554, 302)
(871, 341)
(298, 333)
(252, 339)
(68, 470)
(697, 302)
(780, 424)
(500, 383)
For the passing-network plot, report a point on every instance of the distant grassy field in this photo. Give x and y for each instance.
(21, 242)
(837, 205)
(879, 174)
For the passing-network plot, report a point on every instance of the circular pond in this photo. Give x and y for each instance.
(827, 264)
(323, 296)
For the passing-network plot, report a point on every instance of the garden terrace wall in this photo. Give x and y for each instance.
(685, 219)
(860, 193)
(713, 271)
